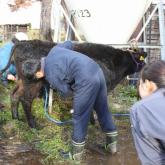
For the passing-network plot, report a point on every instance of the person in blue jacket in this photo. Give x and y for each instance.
(148, 115)
(10, 73)
(5, 51)
(71, 72)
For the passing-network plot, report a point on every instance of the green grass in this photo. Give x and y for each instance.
(122, 98)
(47, 138)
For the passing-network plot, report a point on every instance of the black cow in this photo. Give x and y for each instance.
(115, 63)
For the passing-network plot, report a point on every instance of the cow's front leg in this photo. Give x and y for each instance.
(14, 97)
(31, 91)
(27, 104)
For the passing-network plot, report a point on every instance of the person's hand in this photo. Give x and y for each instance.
(11, 77)
(39, 74)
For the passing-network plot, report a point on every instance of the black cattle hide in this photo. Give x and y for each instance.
(115, 63)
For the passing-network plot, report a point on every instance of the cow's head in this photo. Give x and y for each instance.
(29, 68)
(138, 56)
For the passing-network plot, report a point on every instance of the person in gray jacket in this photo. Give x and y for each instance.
(74, 73)
(148, 115)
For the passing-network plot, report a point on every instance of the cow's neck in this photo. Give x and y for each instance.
(121, 70)
(119, 75)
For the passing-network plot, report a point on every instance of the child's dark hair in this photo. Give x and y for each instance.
(155, 72)
(30, 67)
(14, 40)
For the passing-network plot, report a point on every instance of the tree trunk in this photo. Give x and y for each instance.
(45, 24)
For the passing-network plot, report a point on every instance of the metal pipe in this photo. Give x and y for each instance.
(139, 46)
(55, 39)
(70, 23)
(120, 114)
(56, 11)
(129, 78)
(161, 28)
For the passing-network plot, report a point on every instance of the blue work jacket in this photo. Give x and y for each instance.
(67, 70)
(148, 128)
(5, 54)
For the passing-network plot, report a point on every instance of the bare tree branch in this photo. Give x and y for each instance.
(16, 4)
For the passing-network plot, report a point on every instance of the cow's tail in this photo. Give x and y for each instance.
(9, 62)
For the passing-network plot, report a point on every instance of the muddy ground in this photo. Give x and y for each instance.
(15, 152)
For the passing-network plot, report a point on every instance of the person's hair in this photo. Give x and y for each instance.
(155, 72)
(14, 40)
(30, 67)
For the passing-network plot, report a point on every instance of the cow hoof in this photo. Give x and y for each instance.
(15, 116)
(32, 124)
(2, 106)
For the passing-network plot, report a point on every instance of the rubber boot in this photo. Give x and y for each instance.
(111, 142)
(75, 153)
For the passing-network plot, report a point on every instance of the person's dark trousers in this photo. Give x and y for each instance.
(91, 94)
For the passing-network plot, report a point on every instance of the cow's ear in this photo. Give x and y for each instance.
(39, 74)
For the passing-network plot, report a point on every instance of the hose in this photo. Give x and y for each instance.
(57, 122)
(67, 122)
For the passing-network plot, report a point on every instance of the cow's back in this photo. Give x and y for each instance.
(32, 49)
